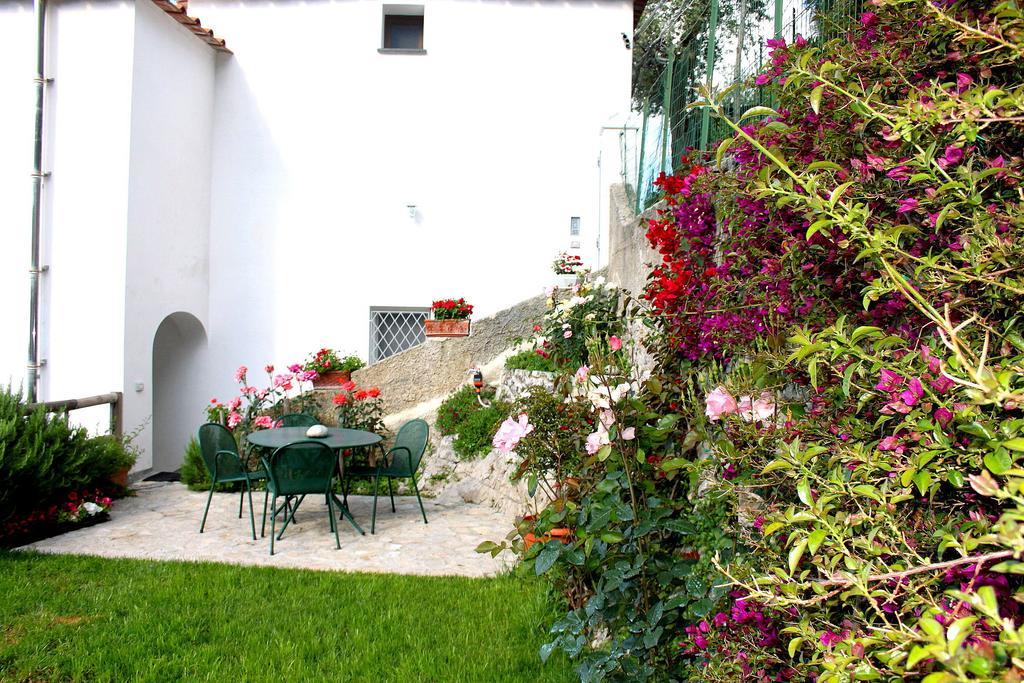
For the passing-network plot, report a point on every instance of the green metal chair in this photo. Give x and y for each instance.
(220, 454)
(295, 471)
(401, 462)
(296, 420)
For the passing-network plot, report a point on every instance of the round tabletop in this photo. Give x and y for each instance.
(336, 438)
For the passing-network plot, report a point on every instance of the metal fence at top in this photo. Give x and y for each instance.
(686, 44)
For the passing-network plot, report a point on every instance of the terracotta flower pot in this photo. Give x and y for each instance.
(120, 477)
(447, 328)
(332, 379)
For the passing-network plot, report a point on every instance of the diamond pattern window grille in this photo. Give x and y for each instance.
(395, 329)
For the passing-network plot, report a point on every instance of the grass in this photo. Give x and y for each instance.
(81, 618)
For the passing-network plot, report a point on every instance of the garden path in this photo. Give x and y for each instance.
(161, 522)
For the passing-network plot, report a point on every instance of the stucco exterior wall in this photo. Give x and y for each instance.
(321, 143)
(631, 256)
(167, 268)
(84, 199)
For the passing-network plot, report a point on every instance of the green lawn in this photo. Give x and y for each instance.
(81, 618)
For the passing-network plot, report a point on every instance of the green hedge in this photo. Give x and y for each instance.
(42, 456)
(472, 424)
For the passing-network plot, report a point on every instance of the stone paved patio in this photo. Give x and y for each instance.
(162, 523)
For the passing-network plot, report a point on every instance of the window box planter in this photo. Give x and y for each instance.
(446, 328)
(332, 379)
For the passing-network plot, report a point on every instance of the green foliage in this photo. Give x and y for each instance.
(529, 360)
(193, 471)
(472, 424)
(42, 456)
(69, 618)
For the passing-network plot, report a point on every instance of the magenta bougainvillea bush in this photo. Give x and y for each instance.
(822, 479)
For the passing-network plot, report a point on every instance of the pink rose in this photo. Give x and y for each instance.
(264, 422)
(240, 374)
(582, 373)
(596, 440)
(511, 432)
(719, 402)
(615, 343)
(234, 419)
(629, 433)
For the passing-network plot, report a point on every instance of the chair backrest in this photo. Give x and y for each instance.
(302, 467)
(296, 420)
(214, 437)
(413, 435)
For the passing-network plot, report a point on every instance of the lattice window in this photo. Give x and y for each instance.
(394, 329)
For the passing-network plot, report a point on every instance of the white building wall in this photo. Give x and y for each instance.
(320, 143)
(168, 219)
(84, 200)
(17, 92)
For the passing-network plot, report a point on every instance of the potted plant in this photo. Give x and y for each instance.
(568, 269)
(450, 318)
(332, 370)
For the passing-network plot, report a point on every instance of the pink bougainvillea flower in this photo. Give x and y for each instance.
(889, 380)
(953, 155)
(943, 416)
(906, 205)
(729, 472)
(898, 172)
(963, 81)
(913, 393)
(889, 443)
(629, 433)
(719, 402)
(264, 422)
(763, 78)
(615, 343)
(868, 19)
(830, 638)
(240, 374)
(511, 432)
(942, 384)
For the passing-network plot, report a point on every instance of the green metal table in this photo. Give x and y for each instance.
(337, 439)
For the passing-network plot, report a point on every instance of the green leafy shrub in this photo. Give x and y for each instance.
(472, 424)
(42, 457)
(530, 360)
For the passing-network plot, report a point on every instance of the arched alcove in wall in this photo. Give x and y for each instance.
(179, 366)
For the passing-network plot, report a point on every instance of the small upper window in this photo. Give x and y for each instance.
(403, 28)
(574, 226)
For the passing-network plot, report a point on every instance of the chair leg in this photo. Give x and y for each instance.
(273, 523)
(263, 526)
(390, 493)
(208, 499)
(373, 517)
(252, 515)
(419, 500)
(334, 522)
(241, 499)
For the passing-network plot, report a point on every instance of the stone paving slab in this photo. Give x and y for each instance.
(162, 523)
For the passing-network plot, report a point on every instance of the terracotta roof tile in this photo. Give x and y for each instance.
(180, 15)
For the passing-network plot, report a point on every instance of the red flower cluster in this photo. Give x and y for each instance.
(451, 309)
(42, 522)
(350, 392)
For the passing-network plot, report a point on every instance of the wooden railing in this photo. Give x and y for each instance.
(114, 399)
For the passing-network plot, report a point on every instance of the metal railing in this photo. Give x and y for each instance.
(683, 46)
(114, 399)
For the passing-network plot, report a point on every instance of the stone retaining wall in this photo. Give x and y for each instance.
(630, 255)
(439, 366)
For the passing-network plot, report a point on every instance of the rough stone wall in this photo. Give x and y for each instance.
(439, 366)
(630, 255)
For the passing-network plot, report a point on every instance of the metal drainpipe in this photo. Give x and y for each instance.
(37, 190)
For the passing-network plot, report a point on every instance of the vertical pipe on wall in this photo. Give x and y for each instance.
(666, 111)
(640, 165)
(705, 124)
(37, 190)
